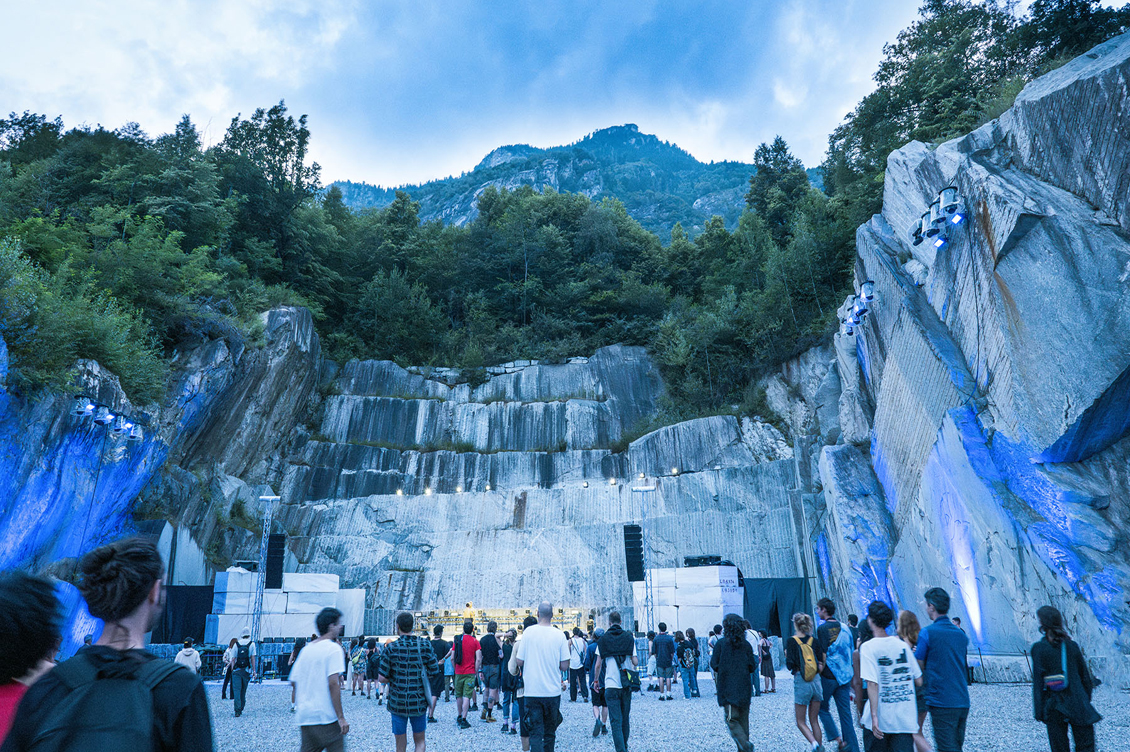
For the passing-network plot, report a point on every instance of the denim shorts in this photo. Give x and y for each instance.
(806, 692)
(491, 676)
(400, 724)
(666, 672)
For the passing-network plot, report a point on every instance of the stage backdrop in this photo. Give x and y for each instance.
(186, 609)
(771, 602)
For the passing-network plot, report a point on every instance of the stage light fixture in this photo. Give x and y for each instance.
(488, 486)
(585, 484)
(103, 416)
(427, 492)
(135, 433)
(867, 291)
(83, 407)
(400, 492)
(459, 489)
(674, 471)
(611, 481)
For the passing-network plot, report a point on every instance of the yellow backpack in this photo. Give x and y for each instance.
(808, 657)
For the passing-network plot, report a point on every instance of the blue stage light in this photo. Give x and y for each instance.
(940, 242)
(957, 218)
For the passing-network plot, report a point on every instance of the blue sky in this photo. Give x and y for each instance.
(406, 92)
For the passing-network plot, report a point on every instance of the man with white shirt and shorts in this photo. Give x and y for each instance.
(887, 664)
(543, 654)
(316, 676)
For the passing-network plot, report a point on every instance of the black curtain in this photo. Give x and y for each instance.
(771, 602)
(186, 609)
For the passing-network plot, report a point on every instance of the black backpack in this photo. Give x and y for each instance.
(102, 712)
(242, 655)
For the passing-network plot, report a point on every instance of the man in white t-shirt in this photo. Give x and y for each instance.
(577, 648)
(316, 676)
(887, 664)
(543, 654)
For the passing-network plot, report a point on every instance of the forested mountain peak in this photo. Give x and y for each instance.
(659, 183)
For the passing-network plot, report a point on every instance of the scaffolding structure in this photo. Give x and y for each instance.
(268, 503)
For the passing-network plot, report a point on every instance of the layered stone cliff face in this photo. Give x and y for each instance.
(994, 374)
(971, 433)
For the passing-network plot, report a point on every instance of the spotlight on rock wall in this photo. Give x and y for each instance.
(488, 486)
(459, 489)
(400, 492)
(674, 471)
(847, 329)
(611, 481)
(952, 205)
(83, 407)
(135, 433)
(867, 291)
(427, 492)
(103, 416)
(120, 426)
(585, 484)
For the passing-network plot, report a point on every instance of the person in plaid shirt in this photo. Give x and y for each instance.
(406, 666)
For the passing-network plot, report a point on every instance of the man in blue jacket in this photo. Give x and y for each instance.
(941, 652)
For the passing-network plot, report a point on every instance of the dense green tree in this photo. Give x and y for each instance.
(776, 187)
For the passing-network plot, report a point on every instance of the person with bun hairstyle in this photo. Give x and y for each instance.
(91, 701)
(1062, 686)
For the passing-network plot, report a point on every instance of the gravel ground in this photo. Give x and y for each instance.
(1001, 720)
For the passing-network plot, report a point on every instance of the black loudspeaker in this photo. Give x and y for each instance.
(276, 550)
(633, 552)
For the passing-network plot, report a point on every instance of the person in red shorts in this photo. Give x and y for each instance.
(30, 625)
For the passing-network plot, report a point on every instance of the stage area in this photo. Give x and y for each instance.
(1001, 718)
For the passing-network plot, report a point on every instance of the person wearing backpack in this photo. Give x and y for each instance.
(1062, 686)
(245, 660)
(805, 660)
(113, 695)
(596, 692)
(835, 679)
(615, 673)
(577, 649)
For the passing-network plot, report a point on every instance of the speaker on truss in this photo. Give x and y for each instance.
(633, 552)
(276, 551)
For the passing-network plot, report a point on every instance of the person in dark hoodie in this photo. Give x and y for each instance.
(733, 661)
(615, 650)
(1062, 686)
(89, 701)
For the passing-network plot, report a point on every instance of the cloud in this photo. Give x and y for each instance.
(112, 62)
(399, 92)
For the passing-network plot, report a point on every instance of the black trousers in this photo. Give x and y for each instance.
(227, 683)
(239, 681)
(619, 709)
(1057, 735)
(949, 728)
(577, 679)
(544, 714)
(889, 742)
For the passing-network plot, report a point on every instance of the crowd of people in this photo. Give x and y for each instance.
(881, 678)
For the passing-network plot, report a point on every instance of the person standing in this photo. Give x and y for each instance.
(442, 650)
(805, 660)
(491, 671)
(768, 673)
(543, 654)
(316, 678)
(85, 703)
(30, 633)
(1062, 686)
(853, 625)
(711, 640)
(908, 630)
(684, 659)
(652, 672)
(692, 638)
(941, 651)
(468, 663)
(732, 660)
(515, 670)
(887, 664)
(835, 679)
(509, 685)
(244, 663)
(615, 652)
(596, 690)
(753, 638)
(663, 647)
(372, 664)
(188, 656)
(577, 649)
(229, 661)
(408, 665)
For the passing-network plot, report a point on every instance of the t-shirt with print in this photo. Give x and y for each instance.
(890, 663)
(310, 674)
(491, 649)
(542, 649)
(469, 645)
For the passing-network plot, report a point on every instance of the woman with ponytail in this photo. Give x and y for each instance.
(1062, 686)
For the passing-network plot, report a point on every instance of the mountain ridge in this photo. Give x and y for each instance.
(659, 183)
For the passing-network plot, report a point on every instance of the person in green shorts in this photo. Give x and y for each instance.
(468, 663)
